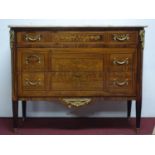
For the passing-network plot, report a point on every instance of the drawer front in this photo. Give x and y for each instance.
(123, 37)
(122, 62)
(59, 36)
(123, 83)
(74, 39)
(64, 61)
(32, 59)
(72, 60)
(77, 36)
(32, 81)
(77, 81)
(33, 37)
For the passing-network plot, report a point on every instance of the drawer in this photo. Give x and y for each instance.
(121, 82)
(122, 62)
(123, 37)
(33, 37)
(32, 59)
(77, 36)
(69, 61)
(59, 36)
(77, 81)
(77, 76)
(32, 81)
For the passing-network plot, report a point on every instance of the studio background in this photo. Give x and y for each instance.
(101, 108)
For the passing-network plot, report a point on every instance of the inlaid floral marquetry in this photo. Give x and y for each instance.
(76, 37)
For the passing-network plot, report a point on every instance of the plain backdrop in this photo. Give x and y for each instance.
(101, 108)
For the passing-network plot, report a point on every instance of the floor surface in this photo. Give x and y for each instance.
(77, 126)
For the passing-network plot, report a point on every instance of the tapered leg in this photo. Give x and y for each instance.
(15, 114)
(138, 112)
(129, 104)
(24, 109)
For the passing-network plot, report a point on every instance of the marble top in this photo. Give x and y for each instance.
(77, 26)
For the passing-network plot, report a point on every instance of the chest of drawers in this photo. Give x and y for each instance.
(76, 64)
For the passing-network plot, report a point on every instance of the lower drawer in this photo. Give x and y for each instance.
(32, 82)
(77, 81)
(75, 84)
(52, 81)
(121, 83)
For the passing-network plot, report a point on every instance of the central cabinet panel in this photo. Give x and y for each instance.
(77, 69)
(72, 61)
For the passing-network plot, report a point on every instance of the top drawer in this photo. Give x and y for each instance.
(59, 36)
(33, 36)
(42, 38)
(121, 37)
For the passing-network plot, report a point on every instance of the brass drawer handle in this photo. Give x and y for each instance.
(32, 83)
(126, 61)
(121, 37)
(120, 83)
(29, 37)
(33, 58)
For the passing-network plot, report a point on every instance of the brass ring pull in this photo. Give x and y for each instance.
(32, 38)
(121, 37)
(120, 83)
(126, 61)
(32, 83)
(33, 59)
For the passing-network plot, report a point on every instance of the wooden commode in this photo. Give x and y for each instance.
(76, 64)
